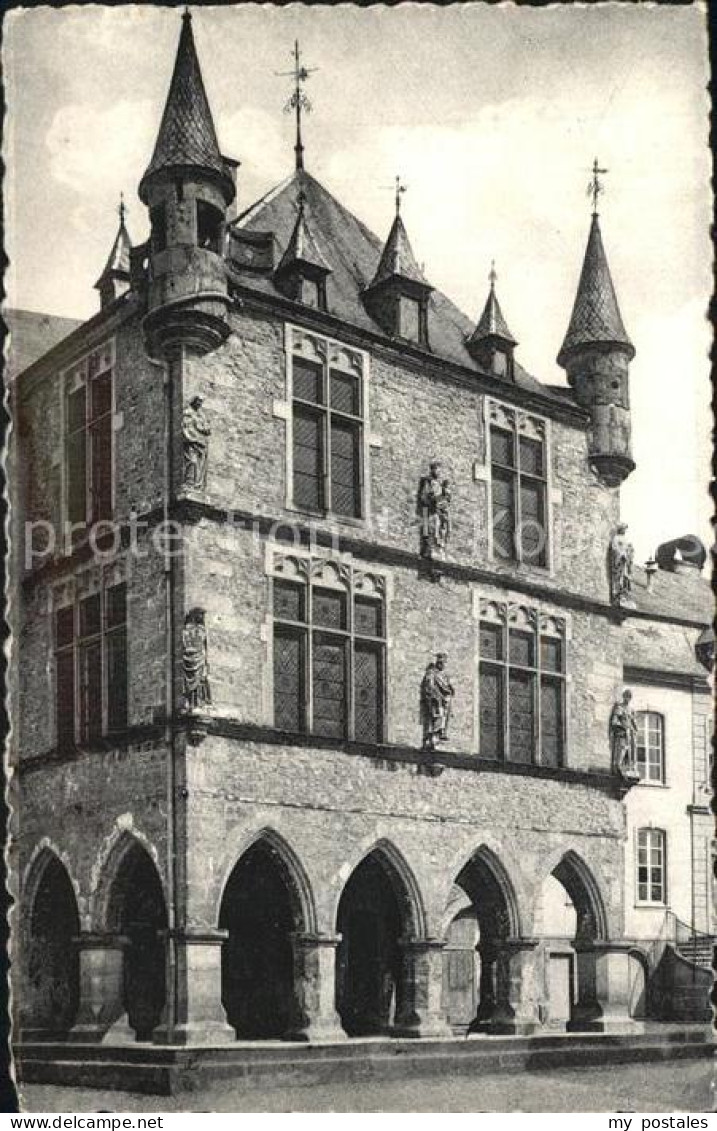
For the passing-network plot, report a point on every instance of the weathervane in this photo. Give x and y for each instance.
(398, 188)
(298, 100)
(596, 188)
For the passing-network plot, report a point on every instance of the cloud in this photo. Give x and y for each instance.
(93, 150)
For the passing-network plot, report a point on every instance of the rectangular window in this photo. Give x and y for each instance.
(158, 224)
(327, 439)
(89, 439)
(410, 319)
(209, 226)
(91, 667)
(329, 656)
(651, 871)
(519, 515)
(650, 746)
(521, 694)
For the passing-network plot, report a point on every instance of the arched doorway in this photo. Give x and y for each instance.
(137, 910)
(51, 958)
(490, 917)
(261, 909)
(570, 919)
(375, 913)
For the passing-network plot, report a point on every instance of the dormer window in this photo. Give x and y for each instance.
(209, 227)
(302, 271)
(410, 319)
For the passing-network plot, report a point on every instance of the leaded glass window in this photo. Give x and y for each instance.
(329, 658)
(521, 686)
(519, 474)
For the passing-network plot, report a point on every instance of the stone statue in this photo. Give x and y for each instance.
(623, 738)
(436, 702)
(195, 432)
(622, 556)
(195, 662)
(433, 508)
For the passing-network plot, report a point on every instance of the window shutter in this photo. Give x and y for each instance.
(367, 693)
(308, 461)
(491, 711)
(288, 679)
(345, 468)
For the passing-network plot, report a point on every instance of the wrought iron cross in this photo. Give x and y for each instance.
(596, 187)
(298, 100)
(398, 188)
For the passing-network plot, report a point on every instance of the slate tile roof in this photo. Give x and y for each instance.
(353, 253)
(491, 322)
(397, 257)
(302, 247)
(118, 259)
(186, 134)
(596, 315)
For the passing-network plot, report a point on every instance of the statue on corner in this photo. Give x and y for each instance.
(433, 509)
(622, 556)
(195, 661)
(623, 738)
(436, 702)
(195, 434)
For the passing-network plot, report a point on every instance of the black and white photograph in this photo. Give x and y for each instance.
(360, 623)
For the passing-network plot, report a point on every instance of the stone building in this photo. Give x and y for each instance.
(316, 637)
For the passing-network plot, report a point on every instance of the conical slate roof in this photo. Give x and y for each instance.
(117, 265)
(186, 134)
(302, 247)
(596, 315)
(491, 323)
(397, 257)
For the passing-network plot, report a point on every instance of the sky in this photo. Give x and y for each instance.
(492, 116)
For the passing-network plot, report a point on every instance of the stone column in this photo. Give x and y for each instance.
(197, 1016)
(419, 997)
(315, 984)
(586, 1012)
(613, 987)
(101, 1015)
(508, 1000)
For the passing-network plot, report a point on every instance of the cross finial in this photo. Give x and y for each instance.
(492, 275)
(398, 188)
(122, 209)
(298, 100)
(596, 187)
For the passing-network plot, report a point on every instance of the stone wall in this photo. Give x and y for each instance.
(331, 810)
(413, 415)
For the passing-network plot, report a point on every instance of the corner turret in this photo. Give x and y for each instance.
(596, 354)
(188, 187)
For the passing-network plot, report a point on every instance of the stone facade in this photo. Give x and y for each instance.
(193, 875)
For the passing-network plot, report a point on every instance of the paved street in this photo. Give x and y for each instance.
(678, 1086)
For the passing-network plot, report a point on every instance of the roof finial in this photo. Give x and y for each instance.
(186, 14)
(596, 187)
(122, 210)
(398, 188)
(492, 275)
(298, 100)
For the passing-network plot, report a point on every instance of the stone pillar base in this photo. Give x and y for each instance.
(198, 1016)
(613, 987)
(315, 982)
(419, 1011)
(101, 988)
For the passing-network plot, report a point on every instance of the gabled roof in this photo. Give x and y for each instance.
(32, 334)
(186, 135)
(491, 323)
(596, 315)
(117, 265)
(302, 247)
(353, 252)
(397, 258)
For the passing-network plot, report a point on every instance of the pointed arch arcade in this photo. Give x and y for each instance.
(50, 959)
